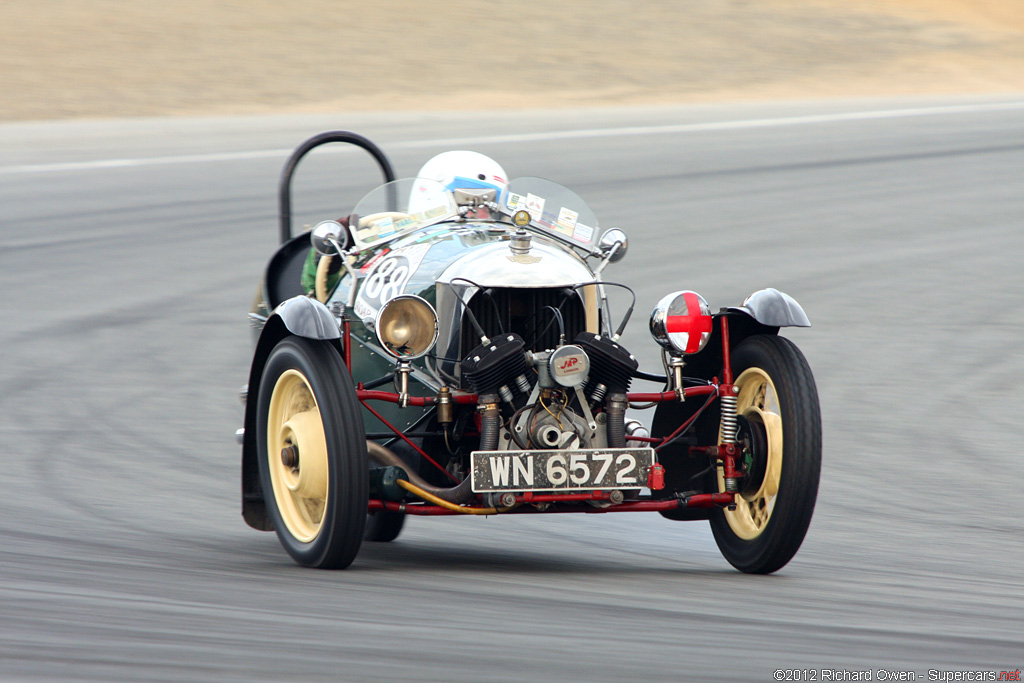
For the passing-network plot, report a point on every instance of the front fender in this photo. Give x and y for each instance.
(300, 316)
(774, 308)
(306, 317)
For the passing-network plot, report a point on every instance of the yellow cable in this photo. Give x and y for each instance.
(431, 498)
(552, 414)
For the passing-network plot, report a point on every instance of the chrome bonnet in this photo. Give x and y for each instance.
(496, 265)
(544, 266)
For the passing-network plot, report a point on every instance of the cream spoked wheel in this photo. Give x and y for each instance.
(779, 433)
(312, 453)
(295, 429)
(760, 436)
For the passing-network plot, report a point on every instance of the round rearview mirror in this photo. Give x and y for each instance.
(609, 239)
(327, 236)
(406, 326)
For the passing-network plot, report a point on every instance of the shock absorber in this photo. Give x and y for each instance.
(728, 438)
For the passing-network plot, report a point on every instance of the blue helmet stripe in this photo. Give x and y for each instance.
(464, 183)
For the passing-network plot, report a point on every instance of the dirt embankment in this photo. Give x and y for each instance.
(103, 58)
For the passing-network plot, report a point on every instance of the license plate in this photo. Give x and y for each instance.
(561, 470)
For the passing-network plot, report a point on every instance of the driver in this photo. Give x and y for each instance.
(461, 170)
(455, 170)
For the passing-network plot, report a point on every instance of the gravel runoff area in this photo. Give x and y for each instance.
(62, 59)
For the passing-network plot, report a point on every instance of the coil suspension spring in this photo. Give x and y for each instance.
(729, 429)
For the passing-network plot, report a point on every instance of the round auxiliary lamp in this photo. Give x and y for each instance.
(681, 322)
(406, 326)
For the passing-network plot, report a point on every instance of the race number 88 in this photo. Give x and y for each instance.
(387, 281)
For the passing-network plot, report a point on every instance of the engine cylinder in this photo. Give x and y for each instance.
(610, 364)
(490, 366)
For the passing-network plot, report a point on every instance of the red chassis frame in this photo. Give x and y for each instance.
(728, 452)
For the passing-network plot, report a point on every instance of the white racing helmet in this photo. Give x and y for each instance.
(457, 170)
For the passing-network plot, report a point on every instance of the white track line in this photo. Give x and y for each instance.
(625, 131)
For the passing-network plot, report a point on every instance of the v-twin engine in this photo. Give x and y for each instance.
(572, 396)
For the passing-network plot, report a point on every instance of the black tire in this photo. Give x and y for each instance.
(383, 526)
(777, 499)
(318, 502)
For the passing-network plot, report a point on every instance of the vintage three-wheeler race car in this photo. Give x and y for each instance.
(448, 348)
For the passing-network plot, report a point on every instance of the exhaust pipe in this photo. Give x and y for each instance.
(383, 455)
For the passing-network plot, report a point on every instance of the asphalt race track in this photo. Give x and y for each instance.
(129, 255)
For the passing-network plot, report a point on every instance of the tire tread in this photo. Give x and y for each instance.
(802, 443)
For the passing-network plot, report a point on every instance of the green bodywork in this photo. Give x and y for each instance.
(427, 253)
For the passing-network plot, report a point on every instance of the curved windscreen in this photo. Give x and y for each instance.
(405, 205)
(398, 208)
(552, 208)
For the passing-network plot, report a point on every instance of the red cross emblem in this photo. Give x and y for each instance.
(687, 331)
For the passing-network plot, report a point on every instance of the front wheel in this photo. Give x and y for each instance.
(312, 453)
(779, 432)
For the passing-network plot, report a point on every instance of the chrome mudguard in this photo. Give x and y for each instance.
(774, 308)
(308, 318)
